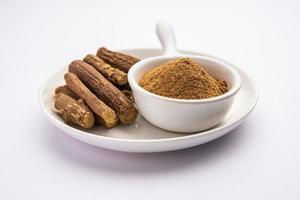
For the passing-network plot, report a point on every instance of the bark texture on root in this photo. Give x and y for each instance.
(114, 75)
(105, 90)
(116, 59)
(104, 114)
(74, 111)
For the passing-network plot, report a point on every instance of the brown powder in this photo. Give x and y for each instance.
(182, 79)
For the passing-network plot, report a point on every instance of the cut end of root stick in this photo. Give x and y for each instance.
(110, 120)
(130, 116)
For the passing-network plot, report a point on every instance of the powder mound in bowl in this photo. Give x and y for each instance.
(182, 78)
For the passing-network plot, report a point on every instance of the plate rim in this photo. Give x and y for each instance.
(60, 124)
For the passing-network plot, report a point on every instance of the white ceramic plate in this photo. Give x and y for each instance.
(142, 136)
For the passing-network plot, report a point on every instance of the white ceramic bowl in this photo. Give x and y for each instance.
(184, 115)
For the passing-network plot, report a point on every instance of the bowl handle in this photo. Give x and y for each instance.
(166, 37)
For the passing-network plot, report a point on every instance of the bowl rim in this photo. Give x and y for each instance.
(235, 88)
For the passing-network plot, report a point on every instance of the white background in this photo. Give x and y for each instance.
(258, 160)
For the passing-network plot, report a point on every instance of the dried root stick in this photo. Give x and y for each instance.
(114, 75)
(105, 90)
(124, 87)
(107, 116)
(128, 94)
(64, 89)
(119, 60)
(73, 111)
